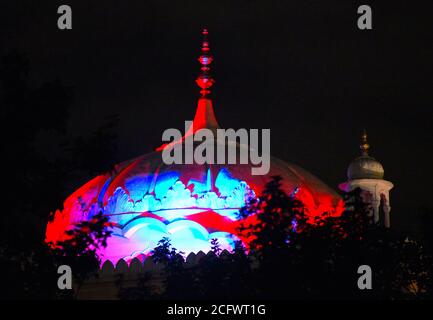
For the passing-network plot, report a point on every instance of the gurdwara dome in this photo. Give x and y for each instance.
(365, 166)
(146, 199)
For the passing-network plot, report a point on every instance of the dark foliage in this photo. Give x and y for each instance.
(37, 183)
(79, 251)
(292, 258)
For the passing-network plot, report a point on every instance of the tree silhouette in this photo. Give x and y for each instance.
(276, 218)
(37, 183)
(290, 257)
(215, 246)
(79, 251)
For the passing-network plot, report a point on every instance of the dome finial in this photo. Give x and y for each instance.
(364, 146)
(205, 80)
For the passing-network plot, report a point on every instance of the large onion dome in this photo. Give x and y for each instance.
(146, 199)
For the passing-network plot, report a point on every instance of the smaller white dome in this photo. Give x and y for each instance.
(365, 167)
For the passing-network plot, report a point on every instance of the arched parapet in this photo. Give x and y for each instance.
(121, 266)
(200, 255)
(148, 265)
(107, 268)
(224, 254)
(211, 254)
(190, 259)
(135, 266)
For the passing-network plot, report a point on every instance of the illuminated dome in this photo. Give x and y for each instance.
(190, 204)
(365, 167)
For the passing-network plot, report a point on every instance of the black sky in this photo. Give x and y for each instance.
(301, 68)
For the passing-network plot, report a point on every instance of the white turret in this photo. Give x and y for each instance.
(367, 173)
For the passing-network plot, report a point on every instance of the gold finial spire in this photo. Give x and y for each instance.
(364, 146)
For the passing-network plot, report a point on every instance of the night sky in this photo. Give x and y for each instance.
(301, 68)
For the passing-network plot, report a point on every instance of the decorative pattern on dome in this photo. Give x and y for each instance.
(230, 195)
(184, 214)
(190, 214)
